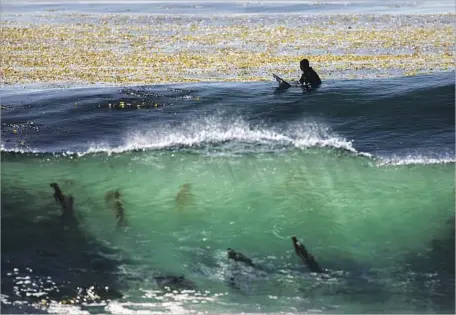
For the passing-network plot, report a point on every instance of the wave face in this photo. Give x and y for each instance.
(362, 172)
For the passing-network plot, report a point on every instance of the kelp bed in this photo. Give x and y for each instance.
(146, 49)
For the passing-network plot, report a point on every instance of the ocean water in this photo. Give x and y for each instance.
(361, 171)
(26, 7)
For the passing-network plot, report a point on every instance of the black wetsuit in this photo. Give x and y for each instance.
(309, 76)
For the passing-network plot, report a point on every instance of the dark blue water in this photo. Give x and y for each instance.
(387, 117)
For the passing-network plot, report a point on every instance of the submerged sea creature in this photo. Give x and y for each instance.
(66, 204)
(109, 196)
(184, 196)
(306, 257)
(175, 283)
(119, 211)
(58, 195)
(239, 276)
(232, 254)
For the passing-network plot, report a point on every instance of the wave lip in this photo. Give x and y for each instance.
(4, 148)
(217, 135)
(235, 132)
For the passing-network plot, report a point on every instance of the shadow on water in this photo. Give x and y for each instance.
(43, 261)
(433, 270)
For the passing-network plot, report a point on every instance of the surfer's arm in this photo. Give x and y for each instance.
(304, 82)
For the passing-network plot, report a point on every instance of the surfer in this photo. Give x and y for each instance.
(232, 254)
(309, 77)
(306, 257)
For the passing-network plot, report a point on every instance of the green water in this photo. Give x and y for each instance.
(349, 212)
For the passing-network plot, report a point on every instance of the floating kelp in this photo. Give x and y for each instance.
(241, 48)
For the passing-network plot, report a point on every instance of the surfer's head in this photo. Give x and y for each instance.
(304, 64)
(294, 239)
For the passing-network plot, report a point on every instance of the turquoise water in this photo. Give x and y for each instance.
(357, 218)
(253, 202)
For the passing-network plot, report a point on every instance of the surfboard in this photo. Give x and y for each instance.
(282, 83)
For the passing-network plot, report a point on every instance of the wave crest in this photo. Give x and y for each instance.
(236, 135)
(216, 134)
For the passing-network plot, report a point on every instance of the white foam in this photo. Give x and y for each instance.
(4, 148)
(57, 308)
(414, 160)
(217, 130)
(234, 135)
(164, 303)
